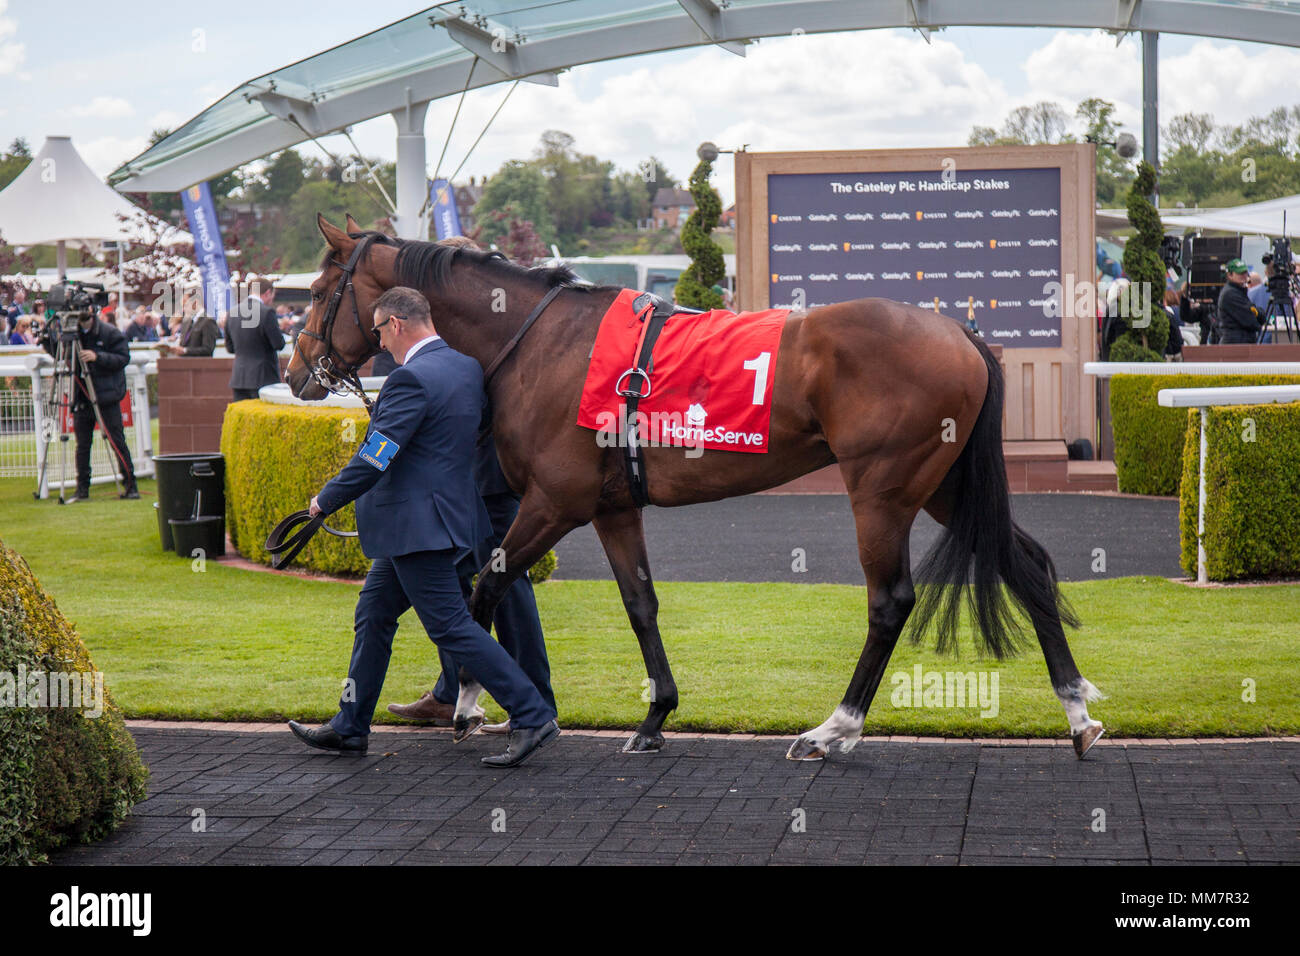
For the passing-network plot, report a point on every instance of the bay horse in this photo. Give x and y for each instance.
(906, 401)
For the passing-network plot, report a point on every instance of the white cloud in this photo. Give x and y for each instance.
(106, 153)
(165, 119)
(12, 55)
(103, 107)
(1230, 81)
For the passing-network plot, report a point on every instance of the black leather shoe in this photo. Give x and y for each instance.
(523, 743)
(81, 494)
(131, 493)
(327, 738)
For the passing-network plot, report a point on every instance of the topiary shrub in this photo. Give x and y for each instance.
(1148, 438)
(708, 268)
(277, 457)
(1148, 323)
(544, 568)
(1252, 493)
(66, 774)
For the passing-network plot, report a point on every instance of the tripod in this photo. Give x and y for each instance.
(70, 375)
(1281, 309)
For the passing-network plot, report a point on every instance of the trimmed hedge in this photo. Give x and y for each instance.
(277, 457)
(64, 777)
(1252, 492)
(1148, 438)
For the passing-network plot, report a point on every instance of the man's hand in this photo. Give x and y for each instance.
(314, 508)
(88, 355)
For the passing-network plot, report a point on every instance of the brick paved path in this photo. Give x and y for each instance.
(417, 799)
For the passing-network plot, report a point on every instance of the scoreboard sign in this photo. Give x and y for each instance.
(982, 243)
(1002, 235)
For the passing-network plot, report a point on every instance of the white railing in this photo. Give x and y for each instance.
(1205, 399)
(1110, 369)
(24, 431)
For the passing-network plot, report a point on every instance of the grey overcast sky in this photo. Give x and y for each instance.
(107, 73)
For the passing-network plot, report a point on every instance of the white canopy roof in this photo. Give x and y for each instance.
(1260, 218)
(58, 198)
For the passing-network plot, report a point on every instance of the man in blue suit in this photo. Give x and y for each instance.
(417, 516)
(518, 626)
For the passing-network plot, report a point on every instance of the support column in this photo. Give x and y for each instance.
(412, 182)
(1151, 102)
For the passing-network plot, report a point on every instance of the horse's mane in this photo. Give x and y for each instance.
(419, 262)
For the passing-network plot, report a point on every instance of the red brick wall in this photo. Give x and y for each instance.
(1241, 353)
(192, 397)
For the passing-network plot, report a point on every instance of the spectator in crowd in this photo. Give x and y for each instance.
(1239, 320)
(255, 339)
(197, 335)
(1174, 346)
(1257, 291)
(15, 310)
(1113, 324)
(22, 333)
(1193, 313)
(109, 312)
(140, 329)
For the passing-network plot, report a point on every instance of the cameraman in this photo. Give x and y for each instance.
(1239, 320)
(105, 354)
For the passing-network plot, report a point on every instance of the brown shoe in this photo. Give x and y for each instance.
(499, 729)
(427, 710)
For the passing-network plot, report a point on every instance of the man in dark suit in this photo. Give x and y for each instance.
(253, 336)
(518, 626)
(418, 516)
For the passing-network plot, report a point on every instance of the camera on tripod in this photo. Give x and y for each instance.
(71, 302)
(1279, 282)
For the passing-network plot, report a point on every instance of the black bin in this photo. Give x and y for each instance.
(205, 533)
(184, 479)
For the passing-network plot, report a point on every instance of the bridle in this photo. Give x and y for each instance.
(330, 371)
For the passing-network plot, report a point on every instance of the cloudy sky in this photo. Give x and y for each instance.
(109, 73)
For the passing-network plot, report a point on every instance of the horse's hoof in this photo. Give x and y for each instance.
(1084, 740)
(463, 728)
(641, 744)
(804, 749)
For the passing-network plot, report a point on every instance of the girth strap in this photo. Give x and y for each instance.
(653, 313)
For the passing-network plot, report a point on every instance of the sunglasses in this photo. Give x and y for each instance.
(380, 325)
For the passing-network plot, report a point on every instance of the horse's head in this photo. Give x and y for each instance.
(339, 334)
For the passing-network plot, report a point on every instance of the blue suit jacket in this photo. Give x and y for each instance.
(424, 498)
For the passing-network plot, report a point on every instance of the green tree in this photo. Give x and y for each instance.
(1148, 324)
(523, 185)
(1097, 116)
(707, 268)
(284, 176)
(14, 160)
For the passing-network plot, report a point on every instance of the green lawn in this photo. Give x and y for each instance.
(231, 644)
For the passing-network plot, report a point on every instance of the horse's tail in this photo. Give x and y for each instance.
(981, 531)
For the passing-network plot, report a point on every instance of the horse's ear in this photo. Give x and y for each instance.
(336, 237)
(353, 225)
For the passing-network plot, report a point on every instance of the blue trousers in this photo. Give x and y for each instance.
(427, 581)
(518, 627)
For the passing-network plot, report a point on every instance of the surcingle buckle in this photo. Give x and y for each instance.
(627, 392)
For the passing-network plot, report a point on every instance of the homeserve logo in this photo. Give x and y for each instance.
(693, 431)
(74, 909)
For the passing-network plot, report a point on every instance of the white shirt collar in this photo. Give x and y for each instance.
(417, 346)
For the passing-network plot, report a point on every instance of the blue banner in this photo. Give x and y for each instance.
(208, 250)
(443, 199)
